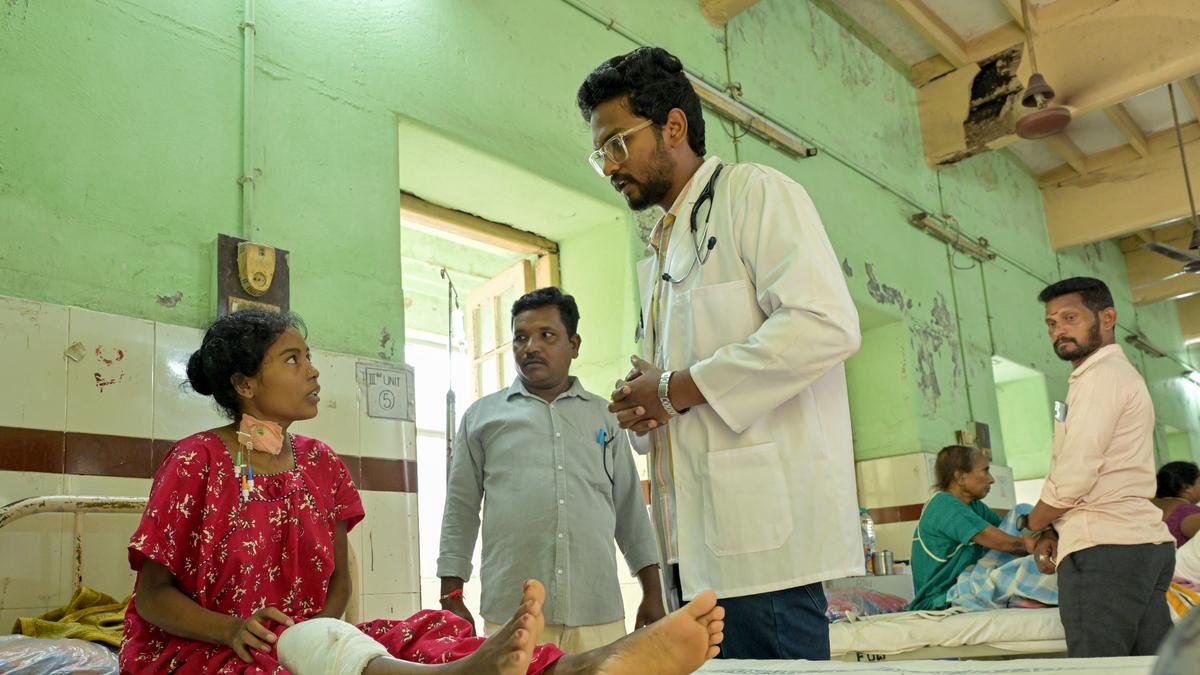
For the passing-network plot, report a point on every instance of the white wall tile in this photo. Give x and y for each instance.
(32, 339)
(894, 481)
(111, 390)
(337, 417)
(1028, 491)
(392, 606)
(390, 552)
(8, 617)
(31, 565)
(897, 538)
(390, 439)
(1003, 493)
(106, 535)
(178, 411)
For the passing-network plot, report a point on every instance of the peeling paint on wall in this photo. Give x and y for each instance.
(884, 294)
(170, 300)
(387, 345)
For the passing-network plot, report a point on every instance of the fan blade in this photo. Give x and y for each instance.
(1165, 279)
(1171, 252)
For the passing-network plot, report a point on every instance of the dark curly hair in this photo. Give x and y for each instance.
(235, 343)
(550, 297)
(1175, 477)
(653, 80)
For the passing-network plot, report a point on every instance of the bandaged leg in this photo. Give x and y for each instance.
(326, 646)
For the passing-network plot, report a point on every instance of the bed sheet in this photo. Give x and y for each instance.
(1125, 665)
(1016, 631)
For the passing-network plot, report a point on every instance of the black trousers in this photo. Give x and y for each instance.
(1112, 599)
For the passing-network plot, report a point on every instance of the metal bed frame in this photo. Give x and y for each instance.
(78, 506)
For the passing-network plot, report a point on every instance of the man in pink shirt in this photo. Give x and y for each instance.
(1114, 555)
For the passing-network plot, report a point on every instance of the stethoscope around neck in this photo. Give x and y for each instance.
(702, 243)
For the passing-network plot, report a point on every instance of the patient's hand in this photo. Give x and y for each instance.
(250, 633)
(1044, 552)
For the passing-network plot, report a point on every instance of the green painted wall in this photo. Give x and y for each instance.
(119, 156)
(1179, 446)
(1025, 416)
(884, 411)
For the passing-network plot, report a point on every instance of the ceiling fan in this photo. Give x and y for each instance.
(1191, 261)
(1045, 120)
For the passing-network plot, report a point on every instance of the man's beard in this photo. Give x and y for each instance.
(1077, 352)
(656, 186)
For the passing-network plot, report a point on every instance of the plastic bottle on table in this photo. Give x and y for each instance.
(867, 525)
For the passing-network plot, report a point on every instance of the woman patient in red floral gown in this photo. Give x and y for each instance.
(244, 537)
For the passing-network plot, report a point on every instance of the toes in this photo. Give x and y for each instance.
(715, 627)
(702, 604)
(534, 589)
(717, 614)
(712, 653)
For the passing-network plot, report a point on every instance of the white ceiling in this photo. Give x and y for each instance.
(971, 19)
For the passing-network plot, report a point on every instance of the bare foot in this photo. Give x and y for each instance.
(675, 645)
(508, 652)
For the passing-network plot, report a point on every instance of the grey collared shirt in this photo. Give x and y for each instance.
(556, 498)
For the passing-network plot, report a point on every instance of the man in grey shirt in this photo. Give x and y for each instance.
(560, 486)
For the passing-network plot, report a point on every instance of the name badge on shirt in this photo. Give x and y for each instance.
(1060, 411)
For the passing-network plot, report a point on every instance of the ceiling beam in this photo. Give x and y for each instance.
(1189, 318)
(1145, 43)
(1121, 194)
(1129, 127)
(935, 31)
(978, 49)
(1158, 143)
(720, 12)
(1070, 153)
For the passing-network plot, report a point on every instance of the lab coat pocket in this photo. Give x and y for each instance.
(748, 506)
(722, 314)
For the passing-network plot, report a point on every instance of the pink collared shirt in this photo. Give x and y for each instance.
(1103, 463)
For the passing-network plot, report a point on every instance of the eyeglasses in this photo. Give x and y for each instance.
(614, 149)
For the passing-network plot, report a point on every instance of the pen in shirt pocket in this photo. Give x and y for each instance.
(603, 439)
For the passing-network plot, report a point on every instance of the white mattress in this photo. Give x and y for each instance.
(1125, 665)
(1019, 631)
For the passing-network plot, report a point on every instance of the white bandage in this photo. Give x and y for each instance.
(326, 647)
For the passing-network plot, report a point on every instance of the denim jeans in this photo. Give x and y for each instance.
(786, 624)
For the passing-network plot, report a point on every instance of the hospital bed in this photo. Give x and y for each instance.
(949, 634)
(79, 506)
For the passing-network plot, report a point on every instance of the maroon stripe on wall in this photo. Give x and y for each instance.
(907, 513)
(43, 451)
(897, 514)
(388, 475)
(101, 455)
(31, 450)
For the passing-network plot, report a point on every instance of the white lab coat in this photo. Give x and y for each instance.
(764, 474)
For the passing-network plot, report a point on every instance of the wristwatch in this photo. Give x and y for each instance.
(664, 396)
(1022, 524)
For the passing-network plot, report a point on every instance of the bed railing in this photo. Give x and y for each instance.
(77, 505)
(80, 505)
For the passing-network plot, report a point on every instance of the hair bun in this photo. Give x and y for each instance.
(196, 375)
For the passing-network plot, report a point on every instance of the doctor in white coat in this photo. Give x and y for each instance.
(740, 400)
